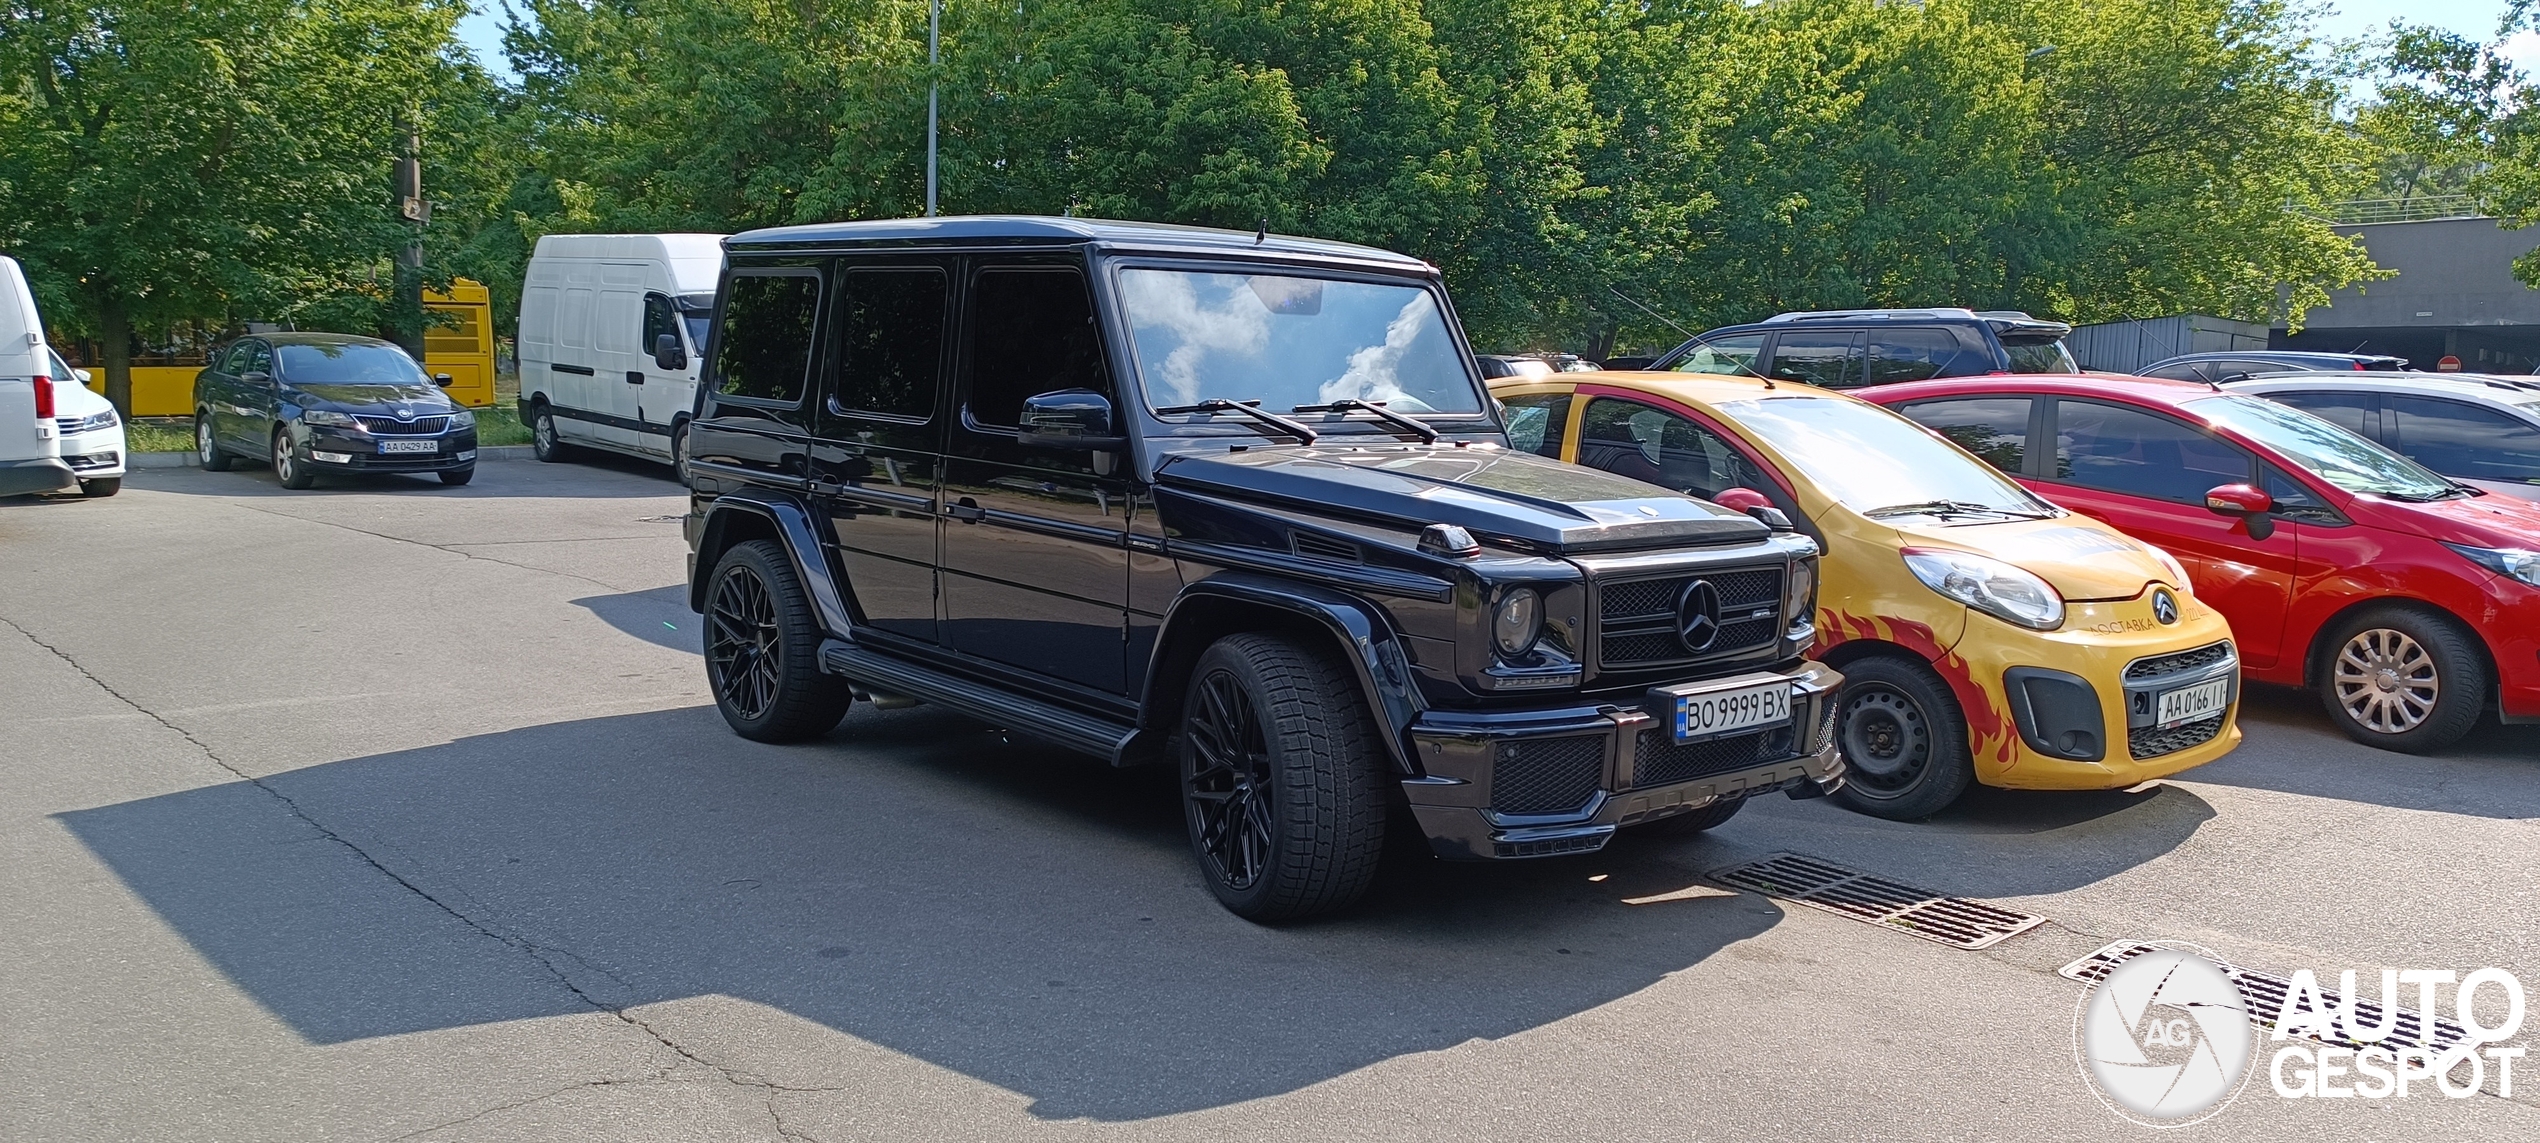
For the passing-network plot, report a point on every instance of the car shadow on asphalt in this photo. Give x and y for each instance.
(2494, 773)
(917, 880)
(659, 616)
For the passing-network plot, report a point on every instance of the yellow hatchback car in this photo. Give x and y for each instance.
(1984, 635)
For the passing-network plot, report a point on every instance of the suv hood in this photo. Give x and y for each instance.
(2084, 562)
(1489, 491)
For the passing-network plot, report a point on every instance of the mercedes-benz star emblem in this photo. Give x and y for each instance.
(2164, 605)
(1698, 615)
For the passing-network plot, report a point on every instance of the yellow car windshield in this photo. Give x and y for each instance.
(1879, 464)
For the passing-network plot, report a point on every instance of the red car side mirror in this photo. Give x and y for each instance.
(1741, 499)
(2248, 503)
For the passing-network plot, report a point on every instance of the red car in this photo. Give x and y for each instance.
(2408, 601)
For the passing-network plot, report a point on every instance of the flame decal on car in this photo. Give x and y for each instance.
(1989, 730)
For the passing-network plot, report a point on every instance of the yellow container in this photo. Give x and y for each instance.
(464, 350)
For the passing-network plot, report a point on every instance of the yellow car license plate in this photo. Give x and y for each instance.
(2189, 704)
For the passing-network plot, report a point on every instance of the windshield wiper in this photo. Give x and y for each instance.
(1250, 409)
(2454, 491)
(1426, 434)
(1949, 508)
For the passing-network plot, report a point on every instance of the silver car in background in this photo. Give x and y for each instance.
(2477, 429)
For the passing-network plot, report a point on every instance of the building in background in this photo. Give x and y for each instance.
(2128, 346)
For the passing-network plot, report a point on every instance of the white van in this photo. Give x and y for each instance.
(612, 333)
(30, 441)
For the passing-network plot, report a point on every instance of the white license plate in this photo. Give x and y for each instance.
(390, 448)
(1716, 713)
(2188, 704)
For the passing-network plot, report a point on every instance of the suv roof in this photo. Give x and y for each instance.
(1024, 229)
(2002, 321)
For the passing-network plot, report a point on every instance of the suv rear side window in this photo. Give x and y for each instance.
(1733, 355)
(1912, 354)
(764, 349)
(1826, 358)
(1630, 439)
(1031, 331)
(890, 346)
(2456, 438)
(2047, 356)
(2117, 449)
(1993, 428)
(1537, 422)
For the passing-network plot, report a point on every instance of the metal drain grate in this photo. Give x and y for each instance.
(1953, 921)
(2262, 993)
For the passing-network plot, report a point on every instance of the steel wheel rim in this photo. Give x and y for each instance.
(743, 652)
(1886, 740)
(1226, 783)
(2386, 681)
(543, 429)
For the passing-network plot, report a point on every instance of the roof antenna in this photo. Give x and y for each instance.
(1263, 234)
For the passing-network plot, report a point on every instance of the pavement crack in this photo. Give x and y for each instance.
(542, 1097)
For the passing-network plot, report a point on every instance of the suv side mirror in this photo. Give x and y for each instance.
(667, 354)
(2247, 502)
(1078, 419)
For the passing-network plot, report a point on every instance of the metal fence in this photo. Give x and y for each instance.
(2417, 208)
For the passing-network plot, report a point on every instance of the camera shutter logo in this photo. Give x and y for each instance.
(2165, 1039)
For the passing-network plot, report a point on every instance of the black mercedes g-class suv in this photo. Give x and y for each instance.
(1234, 501)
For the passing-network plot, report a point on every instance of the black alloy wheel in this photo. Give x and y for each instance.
(287, 466)
(1283, 779)
(207, 449)
(1903, 737)
(760, 642)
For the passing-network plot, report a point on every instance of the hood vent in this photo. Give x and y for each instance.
(1313, 547)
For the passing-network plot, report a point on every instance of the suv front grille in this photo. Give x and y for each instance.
(2171, 664)
(391, 426)
(2146, 742)
(1637, 618)
(1547, 775)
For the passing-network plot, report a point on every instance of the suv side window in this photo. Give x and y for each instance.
(2186, 371)
(1031, 331)
(763, 351)
(2357, 413)
(1733, 355)
(2128, 451)
(1916, 354)
(890, 343)
(1993, 428)
(1538, 421)
(1631, 439)
(1827, 358)
(2456, 438)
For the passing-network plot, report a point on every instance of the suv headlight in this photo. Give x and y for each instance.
(1517, 621)
(2512, 563)
(331, 419)
(1799, 603)
(461, 419)
(1990, 586)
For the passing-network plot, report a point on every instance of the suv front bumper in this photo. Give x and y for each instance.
(1502, 784)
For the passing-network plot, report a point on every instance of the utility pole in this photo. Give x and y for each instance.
(934, 21)
(407, 305)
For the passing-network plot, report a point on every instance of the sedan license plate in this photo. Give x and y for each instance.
(391, 448)
(2189, 704)
(1712, 714)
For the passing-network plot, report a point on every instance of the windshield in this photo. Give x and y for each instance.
(2322, 449)
(352, 363)
(697, 324)
(1869, 459)
(2040, 357)
(1291, 341)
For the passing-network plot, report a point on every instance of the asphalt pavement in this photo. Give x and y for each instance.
(394, 811)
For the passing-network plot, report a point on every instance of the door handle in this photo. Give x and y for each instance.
(967, 511)
(634, 378)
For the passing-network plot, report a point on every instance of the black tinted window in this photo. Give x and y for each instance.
(890, 342)
(659, 319)
(1031, 331)
(1818, 357)
(2294, 501)
(1672, 451)
(1732, 356)
(2191, 371)
(234, 360)
(1994, 428)
(2352, 412)
(260, 357)
(1917, 354)
(2117, 449)
(1537, 421)
(766, 340)
(2456, 438)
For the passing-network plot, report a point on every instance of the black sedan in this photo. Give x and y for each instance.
(329, 402)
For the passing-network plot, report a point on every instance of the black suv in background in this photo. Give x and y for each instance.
(1846, 349)
(1235, 502)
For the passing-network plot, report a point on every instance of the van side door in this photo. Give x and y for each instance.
(877, 453)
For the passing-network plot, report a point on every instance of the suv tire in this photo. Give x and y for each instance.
(1283, 784)
(101, 487)
(207, 447)
(2403, 679)
(762, 641)
(1904, 740)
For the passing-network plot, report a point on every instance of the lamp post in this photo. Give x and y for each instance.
(934, 20)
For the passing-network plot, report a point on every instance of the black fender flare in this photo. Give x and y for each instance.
(795, 527)
(1364, 635)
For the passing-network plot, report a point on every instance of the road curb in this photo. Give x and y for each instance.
(188, 460)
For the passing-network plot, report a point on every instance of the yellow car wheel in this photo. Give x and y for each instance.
(1904, 740)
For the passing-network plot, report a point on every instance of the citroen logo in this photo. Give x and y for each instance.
(1698, 616)
(2164, 605)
